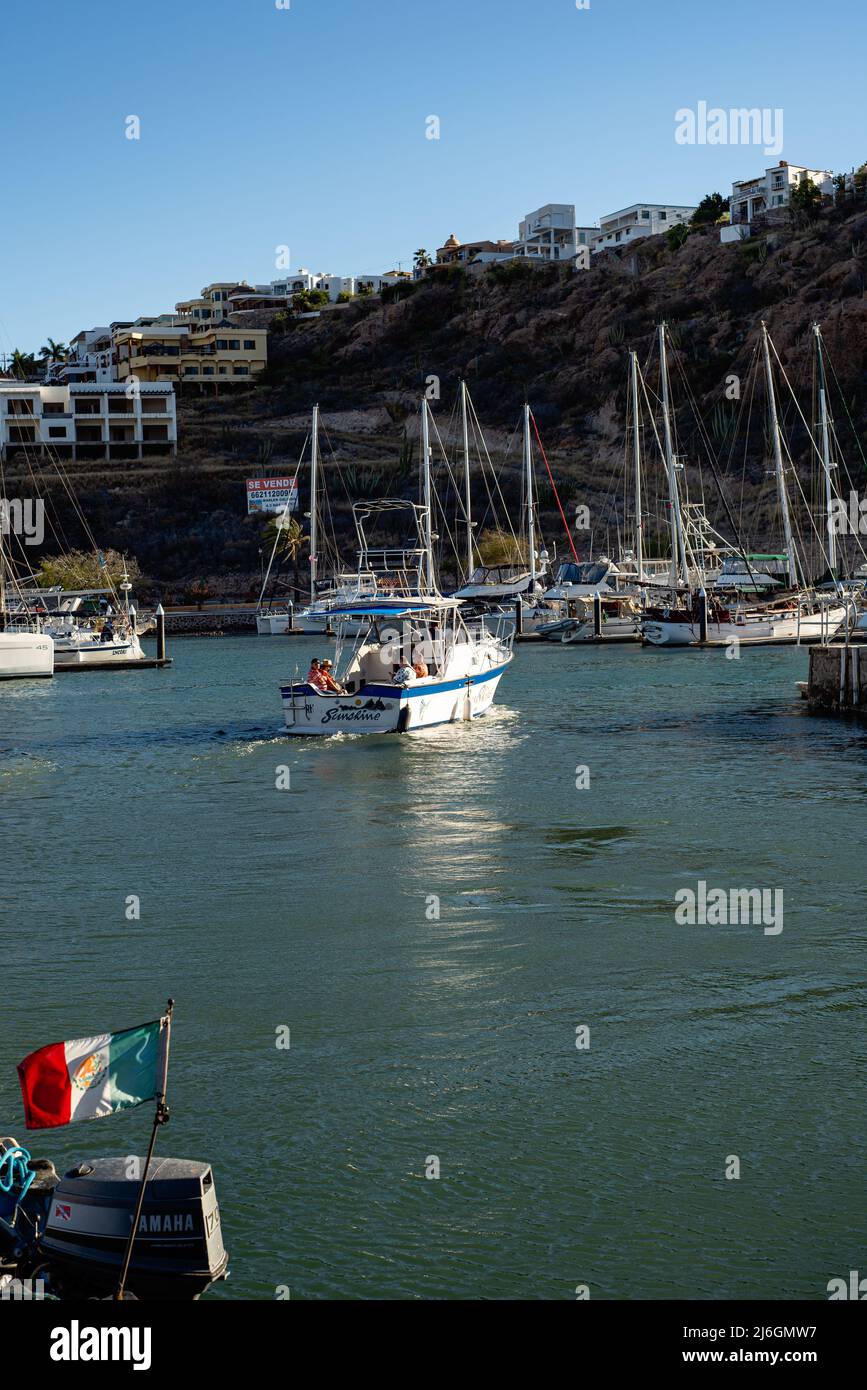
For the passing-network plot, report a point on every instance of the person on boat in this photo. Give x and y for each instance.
(107, 634)
(329, 683)
(420, 668)
(315, 675)
(403, 675)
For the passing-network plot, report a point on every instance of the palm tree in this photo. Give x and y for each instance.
(54, 352)
(22, 364)
(421, 259)
(290, 540)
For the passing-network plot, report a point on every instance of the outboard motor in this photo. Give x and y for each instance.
(178, 1250)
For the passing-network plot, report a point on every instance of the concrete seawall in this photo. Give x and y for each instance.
(210, 622)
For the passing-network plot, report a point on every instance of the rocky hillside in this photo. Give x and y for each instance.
(560, 339)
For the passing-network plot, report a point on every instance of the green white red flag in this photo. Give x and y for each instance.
(87, 1078)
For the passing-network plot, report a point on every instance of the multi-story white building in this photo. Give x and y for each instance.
(336, 285)
(639, 220)
(88, 359)
(773, 189)
(88, 419)
(300, 280)
(548, 234)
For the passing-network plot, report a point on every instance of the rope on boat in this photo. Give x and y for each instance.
(20, 1174)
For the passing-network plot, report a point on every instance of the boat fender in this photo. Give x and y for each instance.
(403, 720)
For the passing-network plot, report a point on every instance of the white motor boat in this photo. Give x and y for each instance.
(612, 618)
(496, 583)
(460, 663)
(415, 661)
(26, 655)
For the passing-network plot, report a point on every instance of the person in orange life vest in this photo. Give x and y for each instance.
(329, 682)
(420, 668)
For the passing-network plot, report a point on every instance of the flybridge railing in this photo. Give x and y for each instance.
(377, 561)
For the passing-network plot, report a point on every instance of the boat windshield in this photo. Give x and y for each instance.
(590, 572)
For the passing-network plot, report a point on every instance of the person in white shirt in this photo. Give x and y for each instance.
(404, 675)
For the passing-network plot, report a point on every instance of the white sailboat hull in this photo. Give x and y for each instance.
(273, 624)
(787, 627)
(384, 709)
(26, 655)
(69, 652)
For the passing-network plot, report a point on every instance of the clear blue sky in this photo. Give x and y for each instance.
(262, 127)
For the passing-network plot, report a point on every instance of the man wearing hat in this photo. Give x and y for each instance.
(329, 683)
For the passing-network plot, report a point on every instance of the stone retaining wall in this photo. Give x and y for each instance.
(209, 624)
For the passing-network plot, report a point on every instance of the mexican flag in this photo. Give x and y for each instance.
(90, 1077)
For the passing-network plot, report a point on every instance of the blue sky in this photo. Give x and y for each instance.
(306, 127)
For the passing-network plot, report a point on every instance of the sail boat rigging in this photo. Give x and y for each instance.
(796, 615)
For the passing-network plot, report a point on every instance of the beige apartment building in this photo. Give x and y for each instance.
(213, 304)
(217, 355)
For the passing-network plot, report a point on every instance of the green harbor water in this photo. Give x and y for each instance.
(433, 916)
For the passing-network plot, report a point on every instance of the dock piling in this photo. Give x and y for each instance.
(597, 614)
(161, 632)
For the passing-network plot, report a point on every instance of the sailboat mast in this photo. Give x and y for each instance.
(531, 506)
(826, 456)
(678, 547)
(426, 490)
(778, 460)
(467, 497)
(2, 579)
(636, 449)
(314, 502)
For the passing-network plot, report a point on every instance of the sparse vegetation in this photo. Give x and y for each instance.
(86, 569)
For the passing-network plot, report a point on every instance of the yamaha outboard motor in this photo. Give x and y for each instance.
(71, 1233)
(178, 1250)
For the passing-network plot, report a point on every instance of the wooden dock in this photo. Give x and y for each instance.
(148, 664)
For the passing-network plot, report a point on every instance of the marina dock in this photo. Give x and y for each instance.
(148, 664)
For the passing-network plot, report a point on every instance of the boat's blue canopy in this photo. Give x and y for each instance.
(386, 610)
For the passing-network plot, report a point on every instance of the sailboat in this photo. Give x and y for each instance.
(314, 617)
(602, 597)
(416, 661)
(799, 614)
(26, 652)
(500, 584)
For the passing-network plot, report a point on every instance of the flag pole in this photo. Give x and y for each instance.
(161, 1117)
